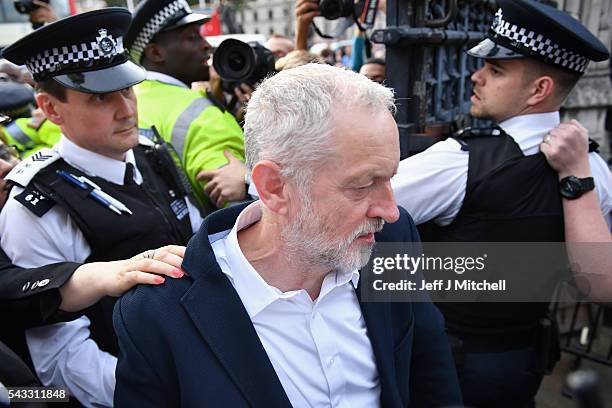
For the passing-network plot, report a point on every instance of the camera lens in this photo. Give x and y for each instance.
(236, 61)
(334, 9)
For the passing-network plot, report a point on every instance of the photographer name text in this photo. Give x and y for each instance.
(467, 285)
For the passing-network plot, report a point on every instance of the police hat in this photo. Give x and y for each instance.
(82, 52)
(153, 16)
(16, 100)
(526, 28)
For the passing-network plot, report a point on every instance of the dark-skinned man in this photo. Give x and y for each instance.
(164, 37)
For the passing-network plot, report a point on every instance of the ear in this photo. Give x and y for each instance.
(541, 90)
(49, 105)
(155, 53)
(271, 186)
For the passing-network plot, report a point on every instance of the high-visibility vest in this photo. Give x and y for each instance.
(199, 129)
(28, 140)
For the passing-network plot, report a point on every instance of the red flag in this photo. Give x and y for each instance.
(212, 27)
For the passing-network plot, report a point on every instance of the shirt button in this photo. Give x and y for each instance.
(330, 362)
(43, 282)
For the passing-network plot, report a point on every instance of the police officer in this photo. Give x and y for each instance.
(164, 37)
(98, 195)
(25, 133)
(496, 186)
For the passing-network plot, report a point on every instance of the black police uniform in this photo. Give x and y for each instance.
(511, 197)
(98, 64)
(519, 338)
(159, 217)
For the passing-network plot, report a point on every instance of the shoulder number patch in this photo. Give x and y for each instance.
(35, 201)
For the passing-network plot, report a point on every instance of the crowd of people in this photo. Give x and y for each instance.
(159, 248)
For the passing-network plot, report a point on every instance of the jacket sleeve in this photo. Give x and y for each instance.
(433, 376)
(141, 378)
(433, 381)
(33, 305)
(209, 135)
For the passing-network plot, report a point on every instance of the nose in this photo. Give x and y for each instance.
(477, 77)
(126, 104)
(384, 205)
(205, 46)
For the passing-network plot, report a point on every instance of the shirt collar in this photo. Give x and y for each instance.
(167, 79)
(256, 294)
(95, 164)
(529, 130)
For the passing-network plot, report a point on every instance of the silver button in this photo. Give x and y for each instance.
(25, 287)
(43, 282)
(34, 285)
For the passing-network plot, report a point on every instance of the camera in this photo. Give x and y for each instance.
(346, 12)
(334, 9)
(239, 62)
(26, 6)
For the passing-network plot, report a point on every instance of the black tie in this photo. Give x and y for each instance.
(128, 179)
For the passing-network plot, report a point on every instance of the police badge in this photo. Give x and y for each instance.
(497, 20)
(106, 43)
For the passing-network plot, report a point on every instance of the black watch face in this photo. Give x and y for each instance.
(571, 188)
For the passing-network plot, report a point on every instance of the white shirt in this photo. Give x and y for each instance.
(431, 185)
(63, 354)
(319, 349)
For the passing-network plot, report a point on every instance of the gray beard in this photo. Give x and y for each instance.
(310, 241)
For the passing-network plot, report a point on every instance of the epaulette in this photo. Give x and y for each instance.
(145, 137)
(25, 171)
(469, 132)
(461, 136)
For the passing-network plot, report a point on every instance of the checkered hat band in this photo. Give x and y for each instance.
(155, 24)
(538, 44)
(57, 59)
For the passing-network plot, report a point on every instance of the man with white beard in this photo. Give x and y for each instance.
(270, 315)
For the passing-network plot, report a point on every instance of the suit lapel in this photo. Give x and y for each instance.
(221, 319)
(224, 324)
(378, 322)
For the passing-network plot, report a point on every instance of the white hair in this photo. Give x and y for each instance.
(289, 117)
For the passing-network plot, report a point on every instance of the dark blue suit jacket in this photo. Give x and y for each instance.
(190, 342)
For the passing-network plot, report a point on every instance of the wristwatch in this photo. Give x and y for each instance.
(572, 187)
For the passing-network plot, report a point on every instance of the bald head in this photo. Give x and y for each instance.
(279, 45)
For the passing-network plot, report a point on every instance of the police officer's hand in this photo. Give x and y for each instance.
(566, 148)
(44, 13)
(305, 12)
(92, 281)
(225, 183)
